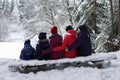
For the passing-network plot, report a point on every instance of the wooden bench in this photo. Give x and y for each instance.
(95, 60)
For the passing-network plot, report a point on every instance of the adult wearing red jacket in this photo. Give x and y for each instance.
(55, 40)
(69, 40)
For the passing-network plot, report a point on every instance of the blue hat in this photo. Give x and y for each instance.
(27, 41)
(83, 27)
(42, 35)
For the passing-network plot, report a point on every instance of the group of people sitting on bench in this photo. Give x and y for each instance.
(75, 43)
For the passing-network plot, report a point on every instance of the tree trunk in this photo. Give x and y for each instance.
(95, 27)
(119, 21)
(112, 20)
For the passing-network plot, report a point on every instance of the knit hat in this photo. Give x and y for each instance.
(68, 28)
(83, 27)
(27, 41)
(42, 35)
(54, 30)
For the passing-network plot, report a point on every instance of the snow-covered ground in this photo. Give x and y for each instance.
(9, 53)
(10, 49)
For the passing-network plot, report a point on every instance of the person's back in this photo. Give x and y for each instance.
(83, 43)
(27, 52)
(69, 39)
(85, 47)
(42, 44)
(55, 40)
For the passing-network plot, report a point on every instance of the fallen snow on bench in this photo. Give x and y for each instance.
(94, 57)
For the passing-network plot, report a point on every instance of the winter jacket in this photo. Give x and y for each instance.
(27, 52)
(83, 43)
(41, 45)
(55, 40)
(69, 39)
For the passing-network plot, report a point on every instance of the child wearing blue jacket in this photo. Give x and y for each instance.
(28, 51)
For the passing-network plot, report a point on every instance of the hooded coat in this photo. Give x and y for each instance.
(69, 40)
(42, 44)
(27, 52)
(83, 42)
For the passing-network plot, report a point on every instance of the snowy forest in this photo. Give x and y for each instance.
(23, 19)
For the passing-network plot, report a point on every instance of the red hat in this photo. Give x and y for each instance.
(54, 30)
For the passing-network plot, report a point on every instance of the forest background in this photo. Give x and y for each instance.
(24, 19)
